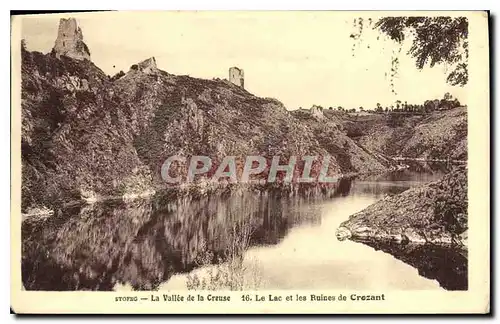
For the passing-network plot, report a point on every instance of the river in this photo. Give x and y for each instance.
(235, 240)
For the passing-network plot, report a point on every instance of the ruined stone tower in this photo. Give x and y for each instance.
(236, 76)
(69, 41)
(146, 66)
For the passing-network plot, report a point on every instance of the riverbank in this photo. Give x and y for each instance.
(202, 188)
(435, 213)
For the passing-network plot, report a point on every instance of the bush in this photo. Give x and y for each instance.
(230, 272)
(117, 76)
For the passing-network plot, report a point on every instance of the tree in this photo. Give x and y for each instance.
(117, 76)
(448, 96)
(436, 40)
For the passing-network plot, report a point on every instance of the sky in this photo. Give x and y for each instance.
(298, 57)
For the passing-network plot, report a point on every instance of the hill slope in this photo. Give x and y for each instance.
(437, 135)
(86, 134)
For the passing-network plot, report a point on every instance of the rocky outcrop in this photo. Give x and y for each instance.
(69, 41)
(434, 213)
(73, 83)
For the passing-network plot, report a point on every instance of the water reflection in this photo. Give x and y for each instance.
(143, 243)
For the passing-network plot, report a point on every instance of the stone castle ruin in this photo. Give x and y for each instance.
(236, 76)
(146, 66)
(69, 41)
(317, 111)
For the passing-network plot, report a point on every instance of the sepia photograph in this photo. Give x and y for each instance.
(262, 159)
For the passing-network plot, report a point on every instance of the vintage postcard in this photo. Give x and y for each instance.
(312, 162)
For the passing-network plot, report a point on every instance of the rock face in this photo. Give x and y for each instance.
(69, 41)
(237, 76)
(435, 213)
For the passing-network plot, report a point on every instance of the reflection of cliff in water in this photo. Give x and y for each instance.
(447, 266)
(417, 171)
(144, 243)
(379, 189)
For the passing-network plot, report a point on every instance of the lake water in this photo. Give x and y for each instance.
(278, 243)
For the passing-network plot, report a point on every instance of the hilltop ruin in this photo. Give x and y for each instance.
(237, 76)
(69, 41)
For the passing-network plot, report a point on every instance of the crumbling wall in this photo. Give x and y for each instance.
(146, 66)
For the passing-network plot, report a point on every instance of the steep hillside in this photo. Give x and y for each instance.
(85, 134)
(437, 135)
(330, 133)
